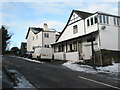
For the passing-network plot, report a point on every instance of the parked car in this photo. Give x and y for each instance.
(29, 55)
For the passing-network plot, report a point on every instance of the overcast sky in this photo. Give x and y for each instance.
(19, 15)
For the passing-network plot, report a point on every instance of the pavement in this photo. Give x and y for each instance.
(55, 75)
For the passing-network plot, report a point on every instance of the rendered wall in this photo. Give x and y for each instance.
(72, 56)
(59, 56)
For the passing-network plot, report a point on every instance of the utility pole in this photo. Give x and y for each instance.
(93, 53)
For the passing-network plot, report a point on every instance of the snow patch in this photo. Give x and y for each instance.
(89, 69)
(33, 60)
(23, 82)
(112, 68)
(77, 67)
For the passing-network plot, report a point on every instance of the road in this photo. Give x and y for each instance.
(55, 75)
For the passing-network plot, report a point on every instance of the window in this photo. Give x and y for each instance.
(96, 19)
(114, 21)
(104, 21)
(33, 37)
(59, 48)
(75, 29)
(91, 21)
(88, 24)
(118, 22)
(46, 46)
(107, 19)
(70, 47)
(46, 35)
(74, 46)
(36, 37)
(100, 17)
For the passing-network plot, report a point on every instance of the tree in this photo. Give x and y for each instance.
(15, 50)
(5, 38)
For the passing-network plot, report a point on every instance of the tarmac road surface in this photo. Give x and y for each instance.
(55, 75)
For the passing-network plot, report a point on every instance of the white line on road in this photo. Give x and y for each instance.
(98, 82)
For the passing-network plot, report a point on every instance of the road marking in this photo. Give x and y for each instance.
(98, 82)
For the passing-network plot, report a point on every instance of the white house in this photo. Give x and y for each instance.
(88, 35)
(40, 37)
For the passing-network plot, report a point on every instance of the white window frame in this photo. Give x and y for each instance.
(75, 29)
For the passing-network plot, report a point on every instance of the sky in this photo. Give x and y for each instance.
(19, 15)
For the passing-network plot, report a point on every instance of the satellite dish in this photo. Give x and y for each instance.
(103, 27)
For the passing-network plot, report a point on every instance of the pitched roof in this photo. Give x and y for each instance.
(81, 14)
(34, 30)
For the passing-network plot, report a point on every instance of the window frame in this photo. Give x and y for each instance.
(92, 21)
(88, 22)
(100, 19)
(104, 19)
(96, 19)
(46, 35)
(75, 29)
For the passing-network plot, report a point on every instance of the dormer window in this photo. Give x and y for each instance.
(96, 19)
(116, 21)
(107, 19)
(88, 23)
(104, 19)
(91, 19)
(100, 18)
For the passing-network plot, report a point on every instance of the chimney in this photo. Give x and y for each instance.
(45, 27)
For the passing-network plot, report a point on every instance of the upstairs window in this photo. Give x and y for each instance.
(36, 37)
(104, 19)
(107, 19)
(96, 19)
(46, 35)
(88, 23)
(33, 37)
(75, 29)
(46, 46)
(100, 18)
(91, 21)
(118, 21)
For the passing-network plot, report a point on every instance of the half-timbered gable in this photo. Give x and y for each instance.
(75, 25)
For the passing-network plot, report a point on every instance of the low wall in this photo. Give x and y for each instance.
(72, 56)
(109, 55)
(59, 56)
